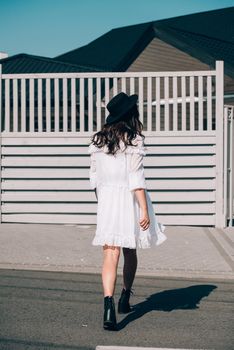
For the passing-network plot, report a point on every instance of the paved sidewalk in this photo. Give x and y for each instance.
(189, 251)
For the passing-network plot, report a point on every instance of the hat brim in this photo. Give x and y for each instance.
(112, 119)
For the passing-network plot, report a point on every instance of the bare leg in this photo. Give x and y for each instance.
(109, 269)
(130, 266)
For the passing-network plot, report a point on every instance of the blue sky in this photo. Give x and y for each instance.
(52, 27)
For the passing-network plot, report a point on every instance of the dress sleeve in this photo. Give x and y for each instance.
(136, 173)
(136, 169)
(92, 171)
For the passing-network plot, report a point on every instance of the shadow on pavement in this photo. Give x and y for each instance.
(169, 300)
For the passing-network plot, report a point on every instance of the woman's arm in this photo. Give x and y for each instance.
(144, 217)
(137, 184)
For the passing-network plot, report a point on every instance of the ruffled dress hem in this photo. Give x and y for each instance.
(145, 240)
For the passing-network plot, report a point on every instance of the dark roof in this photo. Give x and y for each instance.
(114, 50)
(216, 23)
(24, 63)
(208, 36)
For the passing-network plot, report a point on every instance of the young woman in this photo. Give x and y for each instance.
(125, 215)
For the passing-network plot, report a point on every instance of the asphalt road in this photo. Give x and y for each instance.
(54, 310)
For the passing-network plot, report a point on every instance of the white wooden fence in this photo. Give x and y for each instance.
(47, 121)
(75, 102)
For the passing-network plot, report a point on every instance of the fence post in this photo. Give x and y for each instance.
(219, 108)
(230, 162)
(0, 143)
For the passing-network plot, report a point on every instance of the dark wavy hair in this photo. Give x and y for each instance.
(126, 130)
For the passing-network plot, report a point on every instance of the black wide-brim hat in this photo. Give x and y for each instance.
(119, 105)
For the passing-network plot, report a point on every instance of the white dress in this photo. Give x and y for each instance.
(118, 212)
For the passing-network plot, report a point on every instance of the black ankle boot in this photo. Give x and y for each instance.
(109, 319)
(123, 304)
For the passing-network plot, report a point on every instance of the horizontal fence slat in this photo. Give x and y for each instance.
(160, 208)
(181, 220)
(49, 208)
(187, 220)
(38, 161)
(45, 141)
(109, 75)
(50, 218)
(46, 184)
(44, 173)
(73, 161)
(47, 150)
(79, 150)
(180, 137)
(83, 184)
(71, 196)
(83, 172)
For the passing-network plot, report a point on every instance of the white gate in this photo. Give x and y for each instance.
(47, 121)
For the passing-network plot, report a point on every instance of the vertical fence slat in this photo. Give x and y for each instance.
(98, 103)
(141, 99)
(15, 105)
(200, 103)
(183, 107)
(219, 217)
(132, 85)
(158, 106)
(56, 104)
(7, 105)
(31, 105)
(166, 103)
(149, 104)
(23, 105)
(191, 109)
(65, 104)
(209, 103)
(123, 84)
(231, 164)
(175, 104)
(107, 94)
(115, 86)
(73, 104)
(227, 152)
(39, 106)
(48, 109)
(90, 103)
(82, 121)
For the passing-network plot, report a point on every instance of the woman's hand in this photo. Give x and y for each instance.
(144, 221)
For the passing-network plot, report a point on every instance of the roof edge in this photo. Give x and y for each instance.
(44, 58)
